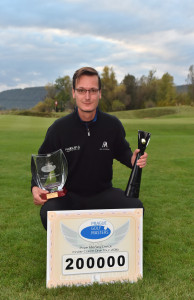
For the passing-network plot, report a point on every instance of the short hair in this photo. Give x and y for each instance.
(86, 71)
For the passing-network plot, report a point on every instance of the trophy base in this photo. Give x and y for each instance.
(57, 194)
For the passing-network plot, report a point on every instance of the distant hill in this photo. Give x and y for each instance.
(29, 97)
(22, 98)
(182, 88)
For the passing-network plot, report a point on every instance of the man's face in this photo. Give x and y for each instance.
(87, 102)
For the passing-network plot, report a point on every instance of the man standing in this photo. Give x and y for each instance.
(90, 140)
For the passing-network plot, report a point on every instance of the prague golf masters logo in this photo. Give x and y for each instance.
(96, 230)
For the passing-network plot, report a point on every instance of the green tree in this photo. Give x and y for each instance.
(130, 84)
(147, 91)
(117, 105)
(183, 99)
(166, 92)
(63, 96)
(121, 96)
(51, 90)
(109, 83)
(190, 81)
(45, 106)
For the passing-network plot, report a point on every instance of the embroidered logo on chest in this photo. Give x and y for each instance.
(104, 146)
(73, 148)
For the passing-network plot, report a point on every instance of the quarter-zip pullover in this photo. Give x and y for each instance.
(90, 149)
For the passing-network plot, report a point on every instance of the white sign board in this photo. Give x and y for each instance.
(87, 246)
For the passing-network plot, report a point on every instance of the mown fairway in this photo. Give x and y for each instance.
(167, 191)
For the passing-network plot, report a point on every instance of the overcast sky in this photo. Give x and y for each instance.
(41, 40)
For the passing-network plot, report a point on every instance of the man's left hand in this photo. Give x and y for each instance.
(142, 161)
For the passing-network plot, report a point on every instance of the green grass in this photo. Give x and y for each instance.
(166, 191)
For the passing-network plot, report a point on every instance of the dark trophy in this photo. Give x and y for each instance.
(49, 171)
(133, 186)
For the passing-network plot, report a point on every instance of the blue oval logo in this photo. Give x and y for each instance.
(96, 230)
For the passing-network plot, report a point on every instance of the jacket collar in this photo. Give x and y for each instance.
(84, 122)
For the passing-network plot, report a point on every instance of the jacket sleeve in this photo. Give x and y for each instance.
(122, 152)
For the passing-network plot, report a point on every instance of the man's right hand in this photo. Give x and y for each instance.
(36, 192)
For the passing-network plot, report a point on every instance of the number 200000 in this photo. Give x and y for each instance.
(95, 263)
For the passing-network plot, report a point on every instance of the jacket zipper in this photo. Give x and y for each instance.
(88, 131)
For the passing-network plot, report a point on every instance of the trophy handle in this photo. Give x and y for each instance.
(133, 186)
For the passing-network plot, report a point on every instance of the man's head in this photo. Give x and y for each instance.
(85, 71)
(87, 92)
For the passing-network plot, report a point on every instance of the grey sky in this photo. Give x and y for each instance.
(42, 40)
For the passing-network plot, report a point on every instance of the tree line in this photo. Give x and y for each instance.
(132, 93)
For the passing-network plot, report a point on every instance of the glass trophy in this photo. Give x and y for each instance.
(49, 172)
(133, 186)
